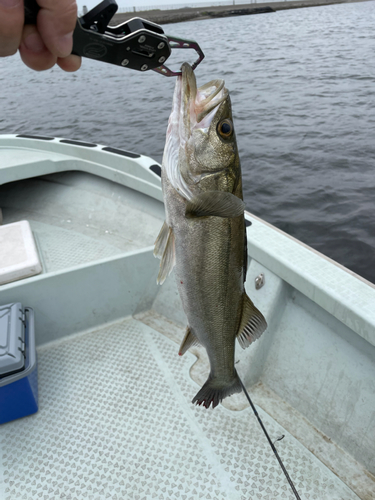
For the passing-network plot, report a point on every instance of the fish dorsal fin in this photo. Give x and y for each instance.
(216, 203)
(168, 258)
(252, 324)
(161, 241)
(189, 340)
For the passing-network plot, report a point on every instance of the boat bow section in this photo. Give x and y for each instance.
(101, 324)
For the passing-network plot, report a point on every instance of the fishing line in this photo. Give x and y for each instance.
(270, 442)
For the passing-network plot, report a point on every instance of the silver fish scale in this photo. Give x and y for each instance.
(115, 421)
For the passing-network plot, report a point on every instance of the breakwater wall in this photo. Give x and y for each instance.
(195, 13)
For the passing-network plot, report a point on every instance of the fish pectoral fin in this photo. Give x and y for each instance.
(161, 241)
(168, 259)
(252, 324)
(216, 203)
(189, 340)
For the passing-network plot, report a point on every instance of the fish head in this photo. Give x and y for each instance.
(201, 151)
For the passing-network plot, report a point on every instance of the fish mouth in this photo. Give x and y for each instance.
(193, 108)
(198, 105)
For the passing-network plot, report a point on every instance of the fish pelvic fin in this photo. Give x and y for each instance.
(189, 340)
(161, 241)
(216, 203)
(214, 391)
(253, 323)
(166, 248)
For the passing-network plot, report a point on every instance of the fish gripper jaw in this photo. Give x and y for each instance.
(180, 43)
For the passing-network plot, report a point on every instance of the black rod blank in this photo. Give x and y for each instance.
(270, 442)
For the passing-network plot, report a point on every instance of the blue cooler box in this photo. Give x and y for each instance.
(18, 363)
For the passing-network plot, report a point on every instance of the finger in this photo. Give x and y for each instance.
(56, 22)
(70, 63)
(11, 23)
(33, 51)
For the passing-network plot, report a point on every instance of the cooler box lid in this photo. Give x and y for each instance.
(18, 254)
(12, 338)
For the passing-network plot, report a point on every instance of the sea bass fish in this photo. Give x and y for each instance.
(204, 235)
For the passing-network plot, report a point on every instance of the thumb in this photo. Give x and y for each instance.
(56, 23)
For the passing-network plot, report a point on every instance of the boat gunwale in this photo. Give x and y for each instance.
(358, 315)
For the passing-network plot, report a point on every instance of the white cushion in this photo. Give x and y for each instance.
(18, 254)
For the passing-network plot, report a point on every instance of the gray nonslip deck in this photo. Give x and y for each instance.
(116, 421)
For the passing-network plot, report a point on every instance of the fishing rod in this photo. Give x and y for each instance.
(270, 442)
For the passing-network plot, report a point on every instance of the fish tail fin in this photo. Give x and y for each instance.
(214, 391)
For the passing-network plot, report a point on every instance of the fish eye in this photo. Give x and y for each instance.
(225, 128)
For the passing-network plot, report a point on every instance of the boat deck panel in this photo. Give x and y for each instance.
(63, 248)
(116, 421)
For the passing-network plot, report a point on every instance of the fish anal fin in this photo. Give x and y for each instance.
(168, 258)
(253, 323)
(189, 340)
(161, 241)
(216, 203)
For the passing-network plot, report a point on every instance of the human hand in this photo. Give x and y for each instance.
(48, 43)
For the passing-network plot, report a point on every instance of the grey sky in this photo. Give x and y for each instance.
(129, 3)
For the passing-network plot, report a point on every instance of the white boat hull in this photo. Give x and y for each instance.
(115, 396)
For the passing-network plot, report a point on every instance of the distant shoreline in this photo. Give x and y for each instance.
(198, 13)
